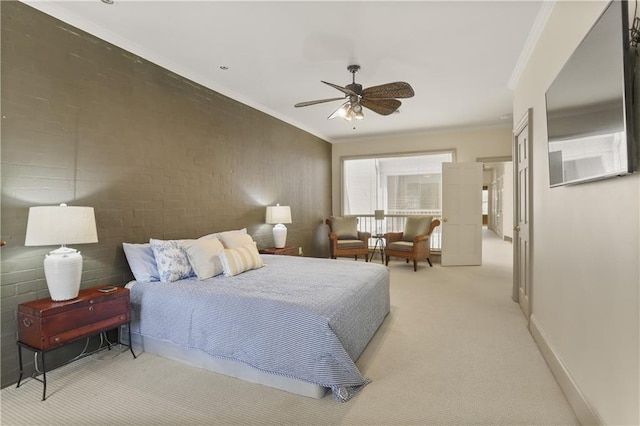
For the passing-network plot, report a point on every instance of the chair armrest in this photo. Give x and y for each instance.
(421, 246)
(422, 240)
(419, 238)
(393, 236)
(333, 236)
(364, 236)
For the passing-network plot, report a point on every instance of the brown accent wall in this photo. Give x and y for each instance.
(156, 155)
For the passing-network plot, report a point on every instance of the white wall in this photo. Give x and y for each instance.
(586, 249)
(469, 145)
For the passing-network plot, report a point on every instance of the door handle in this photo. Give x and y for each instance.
(516, 228)
(444, 219)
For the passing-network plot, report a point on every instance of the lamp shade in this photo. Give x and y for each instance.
(60, 225)
(379, 214)
(278, 214)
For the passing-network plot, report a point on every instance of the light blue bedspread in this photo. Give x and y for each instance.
(303, 318)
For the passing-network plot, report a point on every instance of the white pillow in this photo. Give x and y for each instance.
(141, 262)
(241, 259)
(173, 263)
(204, 257)
(235, 239)
(218, 235)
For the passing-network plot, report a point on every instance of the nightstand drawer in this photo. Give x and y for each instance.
(88, 330)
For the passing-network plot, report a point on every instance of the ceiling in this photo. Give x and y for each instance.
(459, 56)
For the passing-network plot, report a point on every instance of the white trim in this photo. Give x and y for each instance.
(584, 411)
(499, 159)
(532, 40)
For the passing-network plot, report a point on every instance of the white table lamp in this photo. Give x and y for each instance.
(279, 215)
(53, 225)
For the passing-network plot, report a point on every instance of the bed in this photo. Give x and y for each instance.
(297, 324)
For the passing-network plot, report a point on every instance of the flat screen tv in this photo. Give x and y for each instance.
(589, 105)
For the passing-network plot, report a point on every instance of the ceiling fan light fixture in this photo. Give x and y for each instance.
(344, 110)
(359, 115)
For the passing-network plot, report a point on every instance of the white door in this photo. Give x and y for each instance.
(522, 216)
(461, 214)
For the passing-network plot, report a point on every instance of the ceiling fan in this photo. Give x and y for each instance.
(380, 99)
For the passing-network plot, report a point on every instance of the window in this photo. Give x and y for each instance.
(403, 185)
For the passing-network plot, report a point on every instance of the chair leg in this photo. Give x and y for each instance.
(386, 260)
(415, 264)
(429, 260)
(356, 257)
(407, 260)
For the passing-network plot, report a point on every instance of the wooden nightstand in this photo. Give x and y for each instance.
(285, 251)
(44, 324)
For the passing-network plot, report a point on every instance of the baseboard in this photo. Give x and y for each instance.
(583, 410)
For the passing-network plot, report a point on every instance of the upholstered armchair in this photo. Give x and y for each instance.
(414, 243)
(345, 239)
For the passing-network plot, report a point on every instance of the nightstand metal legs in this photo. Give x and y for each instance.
(42, 353)
(44, 379)
(44, 370)
(130, 341)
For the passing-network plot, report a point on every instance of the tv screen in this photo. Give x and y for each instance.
(589, 111)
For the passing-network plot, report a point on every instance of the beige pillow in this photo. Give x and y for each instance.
(232, 240)
(346, 228)
(241, 259)
(219, 235)
(416, 225)
(204, 257)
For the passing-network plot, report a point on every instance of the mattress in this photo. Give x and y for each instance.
(303, 319)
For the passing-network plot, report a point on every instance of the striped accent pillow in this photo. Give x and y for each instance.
(240, 259)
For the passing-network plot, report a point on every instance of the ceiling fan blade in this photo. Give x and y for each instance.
(398, 89)
(304, 104)
(381, 106)
(342, 89)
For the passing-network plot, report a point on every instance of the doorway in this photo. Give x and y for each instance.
(497, 178)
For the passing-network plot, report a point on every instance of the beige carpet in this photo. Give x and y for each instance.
(454, 350)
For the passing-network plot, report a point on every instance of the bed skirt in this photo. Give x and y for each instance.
(228, 367)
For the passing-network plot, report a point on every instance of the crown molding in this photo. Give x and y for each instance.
(532, 40)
